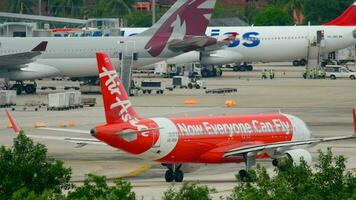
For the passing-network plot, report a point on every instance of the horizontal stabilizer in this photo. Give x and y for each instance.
(136, 131)
(191, 43)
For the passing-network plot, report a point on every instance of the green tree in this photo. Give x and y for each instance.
(119, 7)
(26, 166)
(322, 11)
(189, 190)
(20, 6)
(96, 187)
(67, 8)
(139, 19)
(25, 194)
(273, 16)
(329, 181)
(219, 10)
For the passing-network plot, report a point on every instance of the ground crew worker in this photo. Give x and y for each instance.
(305, 73)
(320, 73)
(323, 72)
(311, 73)
(315, 73)
(271, 74)
(264, 74)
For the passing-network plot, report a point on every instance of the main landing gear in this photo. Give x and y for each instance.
(250, 161)
(173, 173)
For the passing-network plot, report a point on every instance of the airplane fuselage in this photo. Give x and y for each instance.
(202, 139)
(272, 44)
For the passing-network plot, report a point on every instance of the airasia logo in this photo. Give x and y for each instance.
(113, 85)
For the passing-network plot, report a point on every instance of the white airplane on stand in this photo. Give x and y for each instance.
(180, 30)
(271, 43)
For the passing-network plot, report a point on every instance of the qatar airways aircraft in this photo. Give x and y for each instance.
(180, 30)
(175, 142)
(271, 43)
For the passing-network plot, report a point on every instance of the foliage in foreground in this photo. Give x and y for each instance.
(96, 187)
(189, 190)
(27, 167)
(329, 181)
(27, 173)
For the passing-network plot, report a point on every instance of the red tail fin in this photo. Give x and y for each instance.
(348, 18)
(117, 105)
(12, 121)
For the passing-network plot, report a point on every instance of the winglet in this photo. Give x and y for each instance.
(12, 121)
(41, 47)
(354, 115)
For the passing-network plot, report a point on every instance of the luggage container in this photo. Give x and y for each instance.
(7, 98)
(74, 99)
(58, 101)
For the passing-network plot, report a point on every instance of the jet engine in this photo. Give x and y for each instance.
(296, 155)
(189, 57)
(33, 71)
(220, 57)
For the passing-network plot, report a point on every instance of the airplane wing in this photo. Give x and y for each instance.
(279, 147)
(18, 59)
(262, 148)
(79, 141)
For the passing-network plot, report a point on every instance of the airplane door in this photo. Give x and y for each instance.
(156, 139)
(316, 37)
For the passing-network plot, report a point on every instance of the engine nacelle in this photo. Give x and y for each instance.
(33, 71)
(189, 168)
(297, 154)
(190, 57)
(220, 57)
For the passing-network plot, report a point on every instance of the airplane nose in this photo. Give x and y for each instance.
(93, 132)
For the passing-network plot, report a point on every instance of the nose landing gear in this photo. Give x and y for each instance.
(173, 173)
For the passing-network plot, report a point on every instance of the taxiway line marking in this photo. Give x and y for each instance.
(138, 171)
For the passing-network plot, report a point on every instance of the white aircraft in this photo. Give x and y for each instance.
(180, 30)
(271, 43)
(75, 57)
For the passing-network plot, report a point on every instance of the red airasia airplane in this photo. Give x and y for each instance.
(209, 140)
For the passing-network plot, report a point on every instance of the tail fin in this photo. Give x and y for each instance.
(185, 18)
(13, 123)
(117, 105)
(348, 18)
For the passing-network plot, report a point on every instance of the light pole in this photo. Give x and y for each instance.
(153, 12)
(39, 7)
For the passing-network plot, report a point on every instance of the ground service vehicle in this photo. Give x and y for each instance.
(338, 71)
(149, 86)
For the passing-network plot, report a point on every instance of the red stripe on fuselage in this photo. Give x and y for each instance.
(206, 139)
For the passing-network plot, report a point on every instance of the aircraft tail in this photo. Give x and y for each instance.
(184, 19)
(117, 105)
(348, 18)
